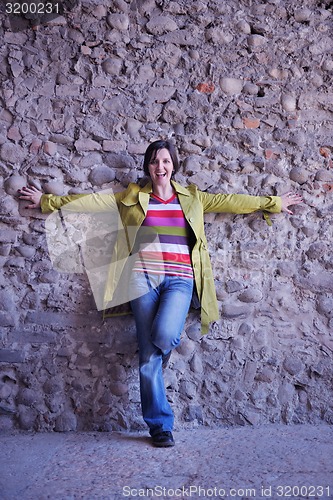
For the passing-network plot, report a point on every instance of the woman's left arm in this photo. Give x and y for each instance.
(245, 204)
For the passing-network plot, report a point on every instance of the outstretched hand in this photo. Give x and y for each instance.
(31, 193)
(288, 199)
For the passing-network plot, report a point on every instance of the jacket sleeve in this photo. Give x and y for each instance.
(239, 203)
(92, 202)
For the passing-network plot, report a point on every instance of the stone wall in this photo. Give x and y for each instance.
(245, 90)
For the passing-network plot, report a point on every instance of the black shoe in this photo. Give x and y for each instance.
(165, 359)
(163, 439)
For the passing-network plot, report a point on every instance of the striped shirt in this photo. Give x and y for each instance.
(169, 253)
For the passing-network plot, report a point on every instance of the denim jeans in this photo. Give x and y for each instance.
(160, 317)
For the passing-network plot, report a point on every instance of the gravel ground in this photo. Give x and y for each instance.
(272, 461)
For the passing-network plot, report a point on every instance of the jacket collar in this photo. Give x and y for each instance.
(180, 189)
(142, 195)
(148, 188)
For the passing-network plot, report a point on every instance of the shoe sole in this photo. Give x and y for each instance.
(163, 445)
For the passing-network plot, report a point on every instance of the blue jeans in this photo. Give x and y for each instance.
(160, 316)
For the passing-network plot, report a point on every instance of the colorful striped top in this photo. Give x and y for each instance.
(169, 253)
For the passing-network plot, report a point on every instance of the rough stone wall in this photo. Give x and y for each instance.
(245, 90)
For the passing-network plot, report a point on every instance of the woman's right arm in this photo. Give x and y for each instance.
(85, 202)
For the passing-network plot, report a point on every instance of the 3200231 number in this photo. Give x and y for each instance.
(32, 8)
(303, 491)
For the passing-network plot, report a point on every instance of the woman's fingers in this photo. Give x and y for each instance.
(31, 193)
(293, 197)
(290, 198)
(25, 193)
(29, 189)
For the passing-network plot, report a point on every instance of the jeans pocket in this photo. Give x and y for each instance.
(138, 285)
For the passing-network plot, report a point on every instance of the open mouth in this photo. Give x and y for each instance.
(160, 175)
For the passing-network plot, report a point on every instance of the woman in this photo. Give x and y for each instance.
(163, 280)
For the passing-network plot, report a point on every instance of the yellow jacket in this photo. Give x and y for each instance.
(132, 205)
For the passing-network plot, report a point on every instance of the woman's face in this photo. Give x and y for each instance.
(160, 168)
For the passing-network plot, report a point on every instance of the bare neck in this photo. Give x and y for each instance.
(163, 192)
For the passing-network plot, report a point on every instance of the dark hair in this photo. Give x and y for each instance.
(152, 150)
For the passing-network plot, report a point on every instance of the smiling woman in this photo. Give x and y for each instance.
(165, 276)
(160, 170)
(161, 163)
